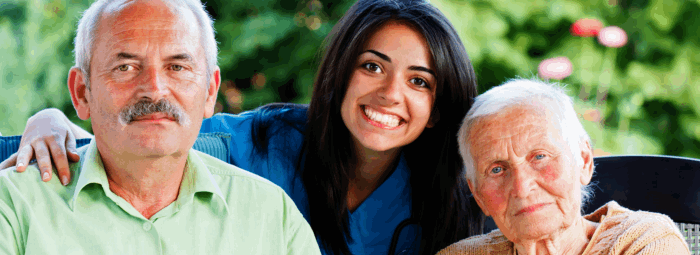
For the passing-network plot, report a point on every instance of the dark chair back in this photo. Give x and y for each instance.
(663, 184)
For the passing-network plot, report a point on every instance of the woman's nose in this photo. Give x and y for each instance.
(522, 181)
(390, 92)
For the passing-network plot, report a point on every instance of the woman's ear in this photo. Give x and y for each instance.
(587, 167)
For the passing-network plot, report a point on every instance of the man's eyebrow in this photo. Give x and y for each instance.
(182, 56)
(124, 55)
(380, 55)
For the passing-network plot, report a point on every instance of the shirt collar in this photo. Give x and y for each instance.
(196, 179)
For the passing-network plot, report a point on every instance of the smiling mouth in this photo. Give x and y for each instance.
(531, 209)
(387, 121)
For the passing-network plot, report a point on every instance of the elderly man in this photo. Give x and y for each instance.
(528, 163)
(146, 75)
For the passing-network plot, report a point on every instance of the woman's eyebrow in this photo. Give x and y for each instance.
(388, 59)
(420, 68)
(380, 55)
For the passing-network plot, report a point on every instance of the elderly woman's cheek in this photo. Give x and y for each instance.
(494, 196)
(554, 174)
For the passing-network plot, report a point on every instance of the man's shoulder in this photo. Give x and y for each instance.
(27, 188)
(227, 173)
(243, 191)
(29, 179)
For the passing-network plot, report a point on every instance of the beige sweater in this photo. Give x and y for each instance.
(621, 231)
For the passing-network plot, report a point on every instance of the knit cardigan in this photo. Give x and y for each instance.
(621, 231)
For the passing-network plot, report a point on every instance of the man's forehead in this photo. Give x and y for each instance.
(129, 24)
(115, 7)
(147, 14)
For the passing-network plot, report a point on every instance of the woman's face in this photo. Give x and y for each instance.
(526, 176)
(391, 90)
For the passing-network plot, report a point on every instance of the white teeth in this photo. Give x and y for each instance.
(385, 119)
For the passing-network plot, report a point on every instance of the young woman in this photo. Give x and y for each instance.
(372, 162)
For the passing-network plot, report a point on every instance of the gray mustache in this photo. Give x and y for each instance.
(147, 107)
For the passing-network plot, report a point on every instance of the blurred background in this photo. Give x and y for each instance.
(635, 96)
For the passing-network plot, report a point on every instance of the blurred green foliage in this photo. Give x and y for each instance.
(639, 98)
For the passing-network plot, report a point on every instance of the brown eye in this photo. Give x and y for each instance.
(372, 67)
(176, 67)
(123, 68)
(419, 82)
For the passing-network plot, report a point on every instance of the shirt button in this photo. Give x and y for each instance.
(146, 226)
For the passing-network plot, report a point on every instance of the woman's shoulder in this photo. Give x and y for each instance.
(612, 214)
(492, 243)
(624, 229)
(271, 115)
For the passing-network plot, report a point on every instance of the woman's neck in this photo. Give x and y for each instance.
(371, 169)
(571, 241)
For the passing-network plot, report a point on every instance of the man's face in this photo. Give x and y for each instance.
(146, 56)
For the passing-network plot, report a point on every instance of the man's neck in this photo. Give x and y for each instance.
(148, 184)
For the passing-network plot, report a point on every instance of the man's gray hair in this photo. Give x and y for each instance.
(527, 92)
(90, 21)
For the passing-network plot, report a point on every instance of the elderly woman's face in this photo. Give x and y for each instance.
(526, 176)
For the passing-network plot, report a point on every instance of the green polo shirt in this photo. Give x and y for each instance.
(220, 209)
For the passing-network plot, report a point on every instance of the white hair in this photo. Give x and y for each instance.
(527, 92)
(90, 21)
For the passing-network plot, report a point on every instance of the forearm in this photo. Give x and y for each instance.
(77, 131)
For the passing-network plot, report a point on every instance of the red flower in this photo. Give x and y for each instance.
(586, 27)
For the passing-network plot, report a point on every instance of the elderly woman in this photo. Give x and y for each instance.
(528, 163)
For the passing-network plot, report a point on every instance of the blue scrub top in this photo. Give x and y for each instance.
(372, 224)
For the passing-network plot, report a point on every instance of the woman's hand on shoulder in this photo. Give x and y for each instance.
(48, 135)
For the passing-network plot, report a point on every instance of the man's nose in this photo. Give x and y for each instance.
(153, 85)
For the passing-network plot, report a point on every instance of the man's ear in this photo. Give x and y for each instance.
(79, 92)
(212, 92)
(477, 198)
(587, 168)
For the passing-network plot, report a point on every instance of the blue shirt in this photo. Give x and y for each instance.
(372, 224)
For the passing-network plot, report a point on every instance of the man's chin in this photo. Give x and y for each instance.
(154, 152)
(158, 144)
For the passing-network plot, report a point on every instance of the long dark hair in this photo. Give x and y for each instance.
(441, 199)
